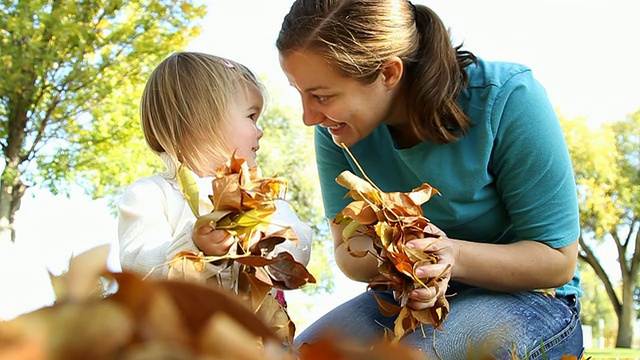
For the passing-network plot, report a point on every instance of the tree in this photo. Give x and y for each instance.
(596, 307)
(72, 75)
(287, 149)
(607, 169)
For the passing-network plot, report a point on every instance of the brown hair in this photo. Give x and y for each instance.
(359, 36)
(184, 107)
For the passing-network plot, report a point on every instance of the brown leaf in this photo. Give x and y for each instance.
(277, 319)
(386, 308)
(90, 329)
(226, 193)
(223, 337)
(422, 194)
(288, 274)
(187, 265)
(360, 211)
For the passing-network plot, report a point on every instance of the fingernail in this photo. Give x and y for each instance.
(419, 273)
(411, 245)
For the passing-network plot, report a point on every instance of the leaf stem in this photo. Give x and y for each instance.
(342, 145)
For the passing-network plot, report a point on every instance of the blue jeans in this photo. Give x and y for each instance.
(531, 324)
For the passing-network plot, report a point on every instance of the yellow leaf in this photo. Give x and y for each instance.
(189, 189)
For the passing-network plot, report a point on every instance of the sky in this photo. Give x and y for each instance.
(585, 53)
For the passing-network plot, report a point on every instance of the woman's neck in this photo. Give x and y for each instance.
(399, 124)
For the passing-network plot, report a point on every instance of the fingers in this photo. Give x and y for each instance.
(204, 230)
(438, 270)
(424, 298)
(429, 245)
(213, 242)
(432, 230)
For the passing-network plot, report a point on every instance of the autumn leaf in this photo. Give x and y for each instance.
(189, 189)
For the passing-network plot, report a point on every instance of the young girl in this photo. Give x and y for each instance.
(196, 110)
(382, 78)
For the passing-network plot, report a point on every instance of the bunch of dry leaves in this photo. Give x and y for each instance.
(243, 204)
(392, 219)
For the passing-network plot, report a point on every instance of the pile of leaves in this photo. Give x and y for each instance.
(243, 204)
(392, 219)
(157, 319)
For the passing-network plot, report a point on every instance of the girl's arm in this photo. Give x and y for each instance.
(144, 232)
(147, 214)
(285, 216)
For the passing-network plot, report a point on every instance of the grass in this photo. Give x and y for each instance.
(612, 354)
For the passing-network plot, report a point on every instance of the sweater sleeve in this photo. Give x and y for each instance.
(284, 215)
(143, 229)
(153, 228)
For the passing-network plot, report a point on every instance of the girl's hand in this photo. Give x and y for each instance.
(442, 248)
(212, 242)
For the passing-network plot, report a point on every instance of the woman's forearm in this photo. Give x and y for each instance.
(355, 268)
(524, 265)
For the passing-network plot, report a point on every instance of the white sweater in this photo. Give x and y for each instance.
(155, 223)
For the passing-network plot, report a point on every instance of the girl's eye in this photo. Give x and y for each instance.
(253, 116)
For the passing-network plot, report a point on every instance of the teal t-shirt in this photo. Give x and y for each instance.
(509, 179)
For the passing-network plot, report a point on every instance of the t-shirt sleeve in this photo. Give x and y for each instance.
(331, 161)
(531, 164)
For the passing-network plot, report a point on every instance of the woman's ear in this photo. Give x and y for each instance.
(392, 71)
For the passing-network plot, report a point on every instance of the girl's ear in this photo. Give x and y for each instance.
(392, 71)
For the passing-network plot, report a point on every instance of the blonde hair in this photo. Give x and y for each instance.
(358, 37)
(184, 107)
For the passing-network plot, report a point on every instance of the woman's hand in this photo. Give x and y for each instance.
(442, 248)
(212, 242)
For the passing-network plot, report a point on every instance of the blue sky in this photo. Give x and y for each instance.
(585, 52)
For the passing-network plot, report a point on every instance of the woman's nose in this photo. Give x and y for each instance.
(311, 117)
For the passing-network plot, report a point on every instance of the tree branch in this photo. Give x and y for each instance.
(591, 259)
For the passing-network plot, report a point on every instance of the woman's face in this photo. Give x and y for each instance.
(348, 108)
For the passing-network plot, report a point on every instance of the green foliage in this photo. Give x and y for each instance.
(287, 149)
(607, 167)
(70, 85)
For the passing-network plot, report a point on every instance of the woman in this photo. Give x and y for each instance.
(382, 78)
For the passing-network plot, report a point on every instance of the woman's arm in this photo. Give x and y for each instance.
(355, 268)
(520, 266)
(523, 265)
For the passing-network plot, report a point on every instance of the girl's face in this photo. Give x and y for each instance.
(243, 133)
(350, 109)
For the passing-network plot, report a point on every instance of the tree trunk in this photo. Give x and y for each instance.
(11, 192)
(627, 318)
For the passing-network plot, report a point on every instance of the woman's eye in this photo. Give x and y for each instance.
(321, 98)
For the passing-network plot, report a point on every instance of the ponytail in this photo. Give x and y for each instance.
(433, 81)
